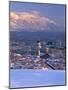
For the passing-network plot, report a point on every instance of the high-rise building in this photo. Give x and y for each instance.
(59, 44)
(47, 50)
(38, 48)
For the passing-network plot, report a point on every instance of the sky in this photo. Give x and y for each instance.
(37, 17)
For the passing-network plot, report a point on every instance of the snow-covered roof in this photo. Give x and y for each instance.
(32, 78)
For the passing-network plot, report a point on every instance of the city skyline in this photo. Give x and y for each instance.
(37, 49)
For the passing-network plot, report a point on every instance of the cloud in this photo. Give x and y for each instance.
(32, 21)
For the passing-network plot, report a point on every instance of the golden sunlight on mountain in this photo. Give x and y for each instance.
(26, 20)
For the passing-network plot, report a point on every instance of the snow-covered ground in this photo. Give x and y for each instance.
(32, 78)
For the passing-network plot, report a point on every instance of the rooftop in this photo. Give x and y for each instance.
(33, 78)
